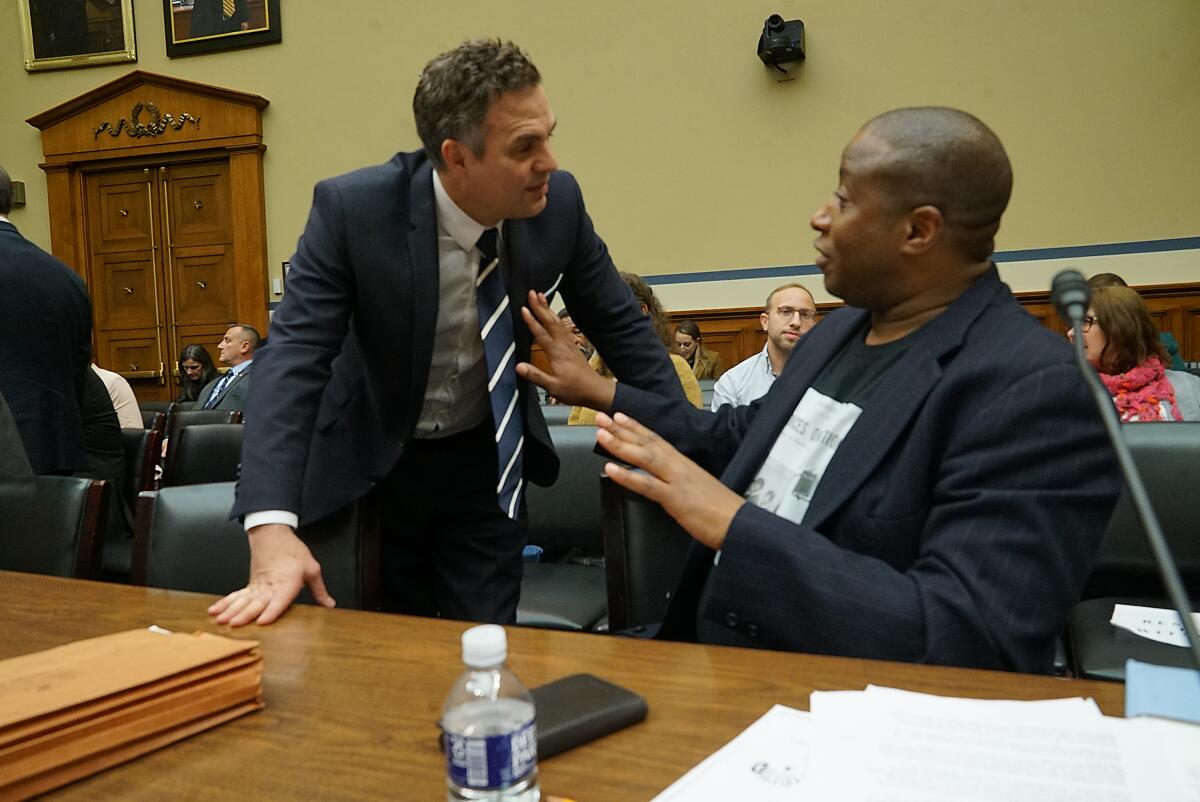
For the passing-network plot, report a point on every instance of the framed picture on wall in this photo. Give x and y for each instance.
(76, 33)
(203, 26)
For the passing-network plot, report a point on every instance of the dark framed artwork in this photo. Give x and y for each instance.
(76, 33)
(203, 26)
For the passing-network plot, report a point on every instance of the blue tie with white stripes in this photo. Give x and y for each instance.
(499, 352)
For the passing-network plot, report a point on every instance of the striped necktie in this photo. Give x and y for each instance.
(220, 388)
(499, 351)
(227, 8)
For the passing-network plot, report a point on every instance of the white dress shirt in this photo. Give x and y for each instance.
(744, 382)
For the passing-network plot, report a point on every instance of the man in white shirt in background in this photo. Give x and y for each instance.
(789, 314)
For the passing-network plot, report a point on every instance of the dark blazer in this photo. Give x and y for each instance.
(957, 521)
(233, 396)
(45, 351)
(339, 386)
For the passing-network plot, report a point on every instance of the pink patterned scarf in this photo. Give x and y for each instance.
(1139, 392)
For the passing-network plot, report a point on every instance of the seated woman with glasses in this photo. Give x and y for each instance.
(703, 362)
(1121, 343)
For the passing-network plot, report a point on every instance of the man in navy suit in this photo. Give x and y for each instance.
(235, 351)
(927, 480)
(398, 333)
(45, 347)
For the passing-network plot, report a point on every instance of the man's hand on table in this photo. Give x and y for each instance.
(280, 565)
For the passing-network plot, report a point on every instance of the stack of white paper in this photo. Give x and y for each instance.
(885, 744)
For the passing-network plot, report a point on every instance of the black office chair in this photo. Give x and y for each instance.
(1168, 457)
(185, 541)
(49, 525)
(567, 591)
(644, 553)
(181, 419)
(154, 420)
(205, 453)
(556, 414)
(142, 448)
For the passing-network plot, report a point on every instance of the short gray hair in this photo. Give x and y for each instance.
(457, 87)
(5, 192)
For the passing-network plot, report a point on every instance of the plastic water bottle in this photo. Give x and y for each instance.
(490, 736)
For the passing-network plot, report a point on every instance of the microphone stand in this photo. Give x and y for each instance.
(1137, 491)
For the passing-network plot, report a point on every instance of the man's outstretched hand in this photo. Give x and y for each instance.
(691, 495)
(280, 565)
(571, 379)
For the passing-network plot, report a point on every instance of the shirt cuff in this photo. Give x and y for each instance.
(284, 517)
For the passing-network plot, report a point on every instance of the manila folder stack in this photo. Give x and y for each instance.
(74, 710)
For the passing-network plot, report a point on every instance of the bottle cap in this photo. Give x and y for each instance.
(484, 645)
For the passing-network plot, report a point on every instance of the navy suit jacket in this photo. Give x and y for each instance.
(957, 521)
(45, 351)
(339, 386)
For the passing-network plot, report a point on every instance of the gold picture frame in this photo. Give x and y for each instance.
(58, 34)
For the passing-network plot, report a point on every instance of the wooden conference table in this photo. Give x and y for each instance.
(352, 698)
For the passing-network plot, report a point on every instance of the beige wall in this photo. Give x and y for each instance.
(694, 157)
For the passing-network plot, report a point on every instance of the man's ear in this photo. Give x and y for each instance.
(924, 226)
(453, 154)
(763, 319)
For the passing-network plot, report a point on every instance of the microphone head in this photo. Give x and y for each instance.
(1071, 294)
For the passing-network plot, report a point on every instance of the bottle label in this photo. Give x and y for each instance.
(494, 761)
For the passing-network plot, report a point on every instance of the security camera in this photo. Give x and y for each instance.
(781, 42)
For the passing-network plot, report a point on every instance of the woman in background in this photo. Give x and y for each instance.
(658, 319)
(1121, 343)
(195, 370)
(704, 363)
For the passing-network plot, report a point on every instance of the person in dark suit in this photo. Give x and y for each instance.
(236, 351)
(927, 480)
(45, 347)
(215, 17)
(390, 365)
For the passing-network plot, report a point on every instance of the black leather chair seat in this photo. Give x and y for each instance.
(556, 414)
(564, 519)
(49, 525)
(185, 541)
(1099, 649)
(205, 453)
(562, 596)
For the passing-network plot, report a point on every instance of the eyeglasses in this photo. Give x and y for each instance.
(1088, 322)
(786, 313)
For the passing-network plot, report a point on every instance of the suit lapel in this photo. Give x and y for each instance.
(423, 266)
(514, 266)
(901, 394)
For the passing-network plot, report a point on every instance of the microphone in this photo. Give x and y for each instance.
(1071, 294)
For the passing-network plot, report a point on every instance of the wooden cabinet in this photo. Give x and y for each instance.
(160, 263)
(147, 216)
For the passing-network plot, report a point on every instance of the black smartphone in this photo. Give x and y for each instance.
(580, 708)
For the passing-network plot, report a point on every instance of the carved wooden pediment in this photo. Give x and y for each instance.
(141, 113)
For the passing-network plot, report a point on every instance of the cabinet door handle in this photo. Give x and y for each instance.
(123, 212)
(201, 285)
(128, 290)
(197, 204)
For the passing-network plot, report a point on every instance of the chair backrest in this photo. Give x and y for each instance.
(1168, 457)
(141, 455)
(566, 515)
(204, 453)
(706, 385)
(156, 406)
(154, 420)
(556, 414)
(644, 554)
(185, 541)
(182, 418)
(49, 524)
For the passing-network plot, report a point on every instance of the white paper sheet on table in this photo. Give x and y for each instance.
(1154, 623)
(899, 746)
(767, 762)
